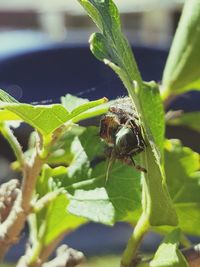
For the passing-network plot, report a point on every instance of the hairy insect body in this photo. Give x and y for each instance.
(121, 131)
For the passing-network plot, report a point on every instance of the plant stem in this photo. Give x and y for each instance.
(11, 228)
(12, 140)
(129, 254)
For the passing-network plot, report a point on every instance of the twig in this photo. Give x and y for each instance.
(66, 257)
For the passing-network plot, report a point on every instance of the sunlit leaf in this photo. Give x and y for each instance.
(182, 70)
(182, 167)
(168, 254)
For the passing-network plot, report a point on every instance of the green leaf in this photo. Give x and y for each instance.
(99, 46)
(87, 184)
(59, 220)
(71, 102)
(78, 105)
(60, 152)
(183, 179)
(47, 118)
(154, 113)
(44, 118)
(168, 253)
(86, 106)
(122, 191)
(156, 195)
(6, 115)
(182, 72)
(91, 143)
(111, 40)
(94, 205)
(112, 47)
(83, 149)
(93, 112)
(5, 97)
(190, 120)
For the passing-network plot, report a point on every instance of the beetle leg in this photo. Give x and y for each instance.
(138, 167)
(110, 164)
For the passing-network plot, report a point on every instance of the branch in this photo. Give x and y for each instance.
(43, 256)
(11, 228)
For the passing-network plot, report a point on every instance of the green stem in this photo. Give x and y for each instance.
(12, 140)
(130, 252)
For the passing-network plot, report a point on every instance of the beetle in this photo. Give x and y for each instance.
(121, 131)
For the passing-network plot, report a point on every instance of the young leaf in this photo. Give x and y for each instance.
(87, 106)
(189, 119)
(71, 102)
(44, 118)
(168, 253)
(92, 112)
(77, 105)
(183, 179)
(112, 47)
(182, 70)
(47, 118)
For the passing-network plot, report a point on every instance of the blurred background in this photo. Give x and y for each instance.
(41, 42)
(44, 54)
(146, 21)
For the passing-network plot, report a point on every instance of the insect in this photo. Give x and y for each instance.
(120, 129)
